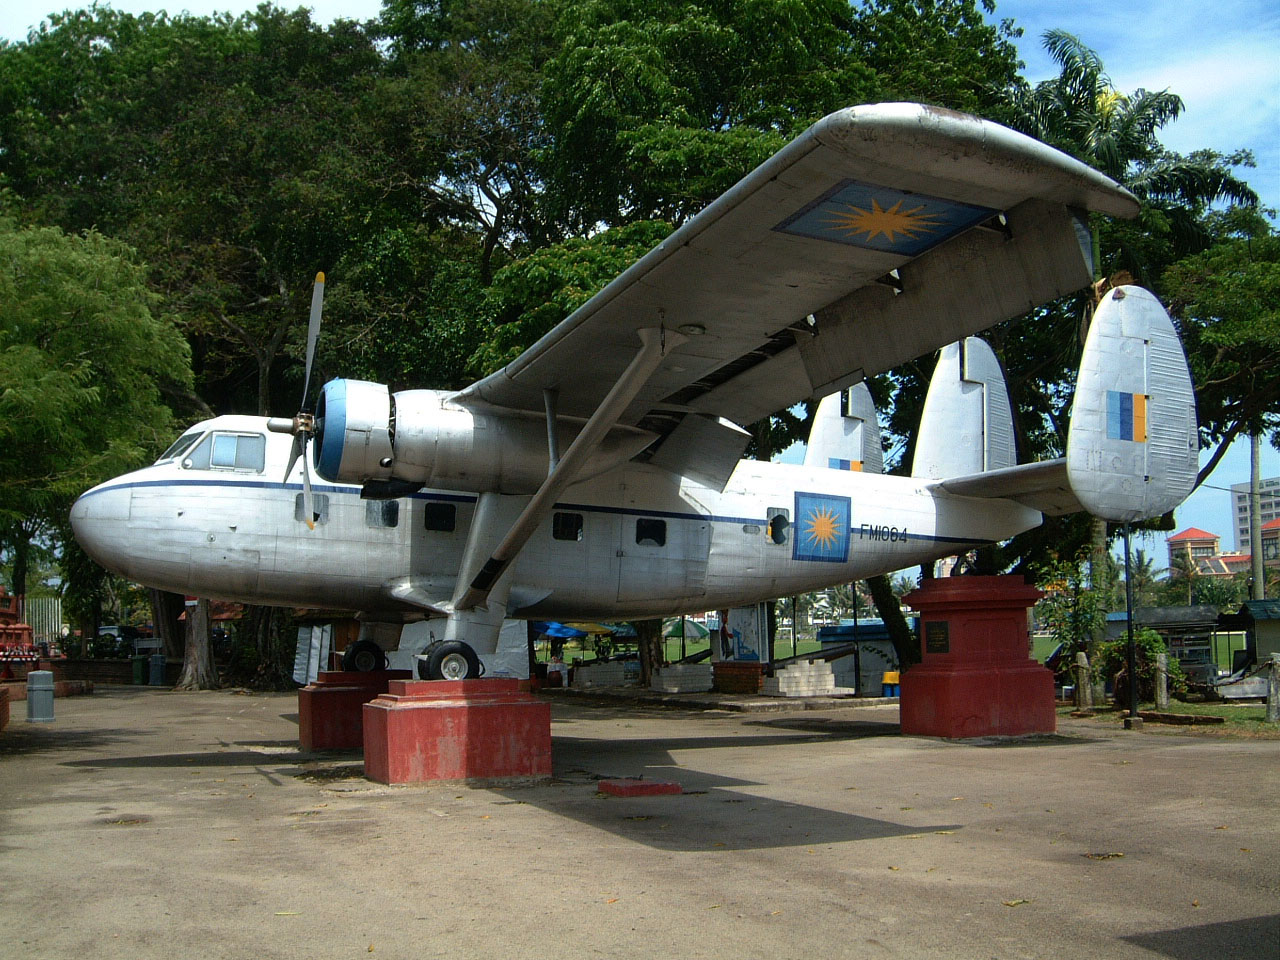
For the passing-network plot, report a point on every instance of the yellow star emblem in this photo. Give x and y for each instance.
(821, 528)
(878, 221)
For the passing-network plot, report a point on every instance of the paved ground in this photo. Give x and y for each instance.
(155, 824)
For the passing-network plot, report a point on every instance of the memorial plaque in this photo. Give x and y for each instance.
(937, 638)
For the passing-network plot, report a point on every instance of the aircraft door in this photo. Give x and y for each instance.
(662, 558)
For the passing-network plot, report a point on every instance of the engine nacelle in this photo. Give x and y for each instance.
(423, 437)
(353, 432)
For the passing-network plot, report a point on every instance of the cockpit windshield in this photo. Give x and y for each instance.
(228, 451)
(180, 446)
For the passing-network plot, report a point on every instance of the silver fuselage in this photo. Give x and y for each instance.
(637, 541)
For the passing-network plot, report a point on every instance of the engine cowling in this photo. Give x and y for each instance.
(425, 438)
(353, 432)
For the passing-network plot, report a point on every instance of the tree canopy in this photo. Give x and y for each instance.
(468, 173)
(84, 368)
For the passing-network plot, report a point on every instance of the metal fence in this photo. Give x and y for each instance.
(45, 616)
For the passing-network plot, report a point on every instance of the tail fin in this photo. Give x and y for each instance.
(846, 433)
(1132, 450)
(967, 426)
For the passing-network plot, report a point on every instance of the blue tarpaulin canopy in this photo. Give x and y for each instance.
(553, 629)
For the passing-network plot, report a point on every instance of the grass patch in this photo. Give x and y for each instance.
(1249, 721)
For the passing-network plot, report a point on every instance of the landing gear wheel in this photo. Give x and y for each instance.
(364, 656)
(451, 660)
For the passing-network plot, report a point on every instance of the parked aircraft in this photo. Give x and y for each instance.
(599, 475)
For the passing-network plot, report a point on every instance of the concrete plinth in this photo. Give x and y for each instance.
(330, 711)
(424, 730)
(977, 678)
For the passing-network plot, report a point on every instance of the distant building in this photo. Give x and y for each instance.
(1193, 543)
(1268, 507)
(1201, 548)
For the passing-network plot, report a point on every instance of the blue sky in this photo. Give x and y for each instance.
(1221, 57)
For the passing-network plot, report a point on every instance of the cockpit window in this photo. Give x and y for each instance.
(229, 451)
(180, 446)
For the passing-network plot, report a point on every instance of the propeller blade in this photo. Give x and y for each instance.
(306, 495)
(299, 447)
(313, 331)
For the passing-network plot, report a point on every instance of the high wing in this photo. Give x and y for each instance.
(880, 233)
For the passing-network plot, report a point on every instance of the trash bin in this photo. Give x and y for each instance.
(40, 696)
(157, 670)
(889, 686)
(139, 668)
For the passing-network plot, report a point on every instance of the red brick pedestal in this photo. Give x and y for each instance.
(330, 710)
(977, 678)
(456, 729)
(733, 676)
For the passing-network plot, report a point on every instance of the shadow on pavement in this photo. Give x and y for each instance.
(1248, 939)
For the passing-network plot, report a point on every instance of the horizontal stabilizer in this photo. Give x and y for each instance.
(1042, 486)
(846, 433)
(1132, 452)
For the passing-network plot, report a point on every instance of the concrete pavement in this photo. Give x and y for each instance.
(147, 823)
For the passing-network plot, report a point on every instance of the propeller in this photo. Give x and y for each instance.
(303, 426)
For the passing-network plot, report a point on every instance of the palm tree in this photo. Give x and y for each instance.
(1143, 573)
(1081, 113)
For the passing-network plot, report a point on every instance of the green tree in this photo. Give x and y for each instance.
(1227, 302)
(84, 369)
(1071, 611)
(1143, 574)
(943, 52)
(1082, 113)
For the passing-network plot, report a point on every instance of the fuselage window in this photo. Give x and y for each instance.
(382, 513)
(319, 508)
(439, 516)
(652, 532)
(566, 526)
(229, 451)
(779, 524)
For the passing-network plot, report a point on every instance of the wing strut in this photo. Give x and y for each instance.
(654, 342)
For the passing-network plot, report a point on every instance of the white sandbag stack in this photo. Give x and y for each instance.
(682, 678)
(804, 678)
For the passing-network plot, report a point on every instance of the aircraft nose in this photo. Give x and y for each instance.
(98, 519)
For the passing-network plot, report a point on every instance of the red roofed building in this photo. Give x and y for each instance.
(1271, 543)
(1192, 543)
(1201, 548)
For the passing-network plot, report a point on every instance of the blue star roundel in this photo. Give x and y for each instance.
(822, 528)
(882, 218)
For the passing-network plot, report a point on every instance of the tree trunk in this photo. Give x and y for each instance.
(166, 608)
(649, 639)
(21, 564)
(1097, 578)
(197, 664)
(275, 642)
(905, 642)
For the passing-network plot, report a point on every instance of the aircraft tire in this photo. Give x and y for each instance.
(450, 660)
(364, 656)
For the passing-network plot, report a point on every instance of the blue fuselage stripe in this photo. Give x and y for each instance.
(471, 498)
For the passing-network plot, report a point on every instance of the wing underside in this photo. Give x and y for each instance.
(879, 234)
